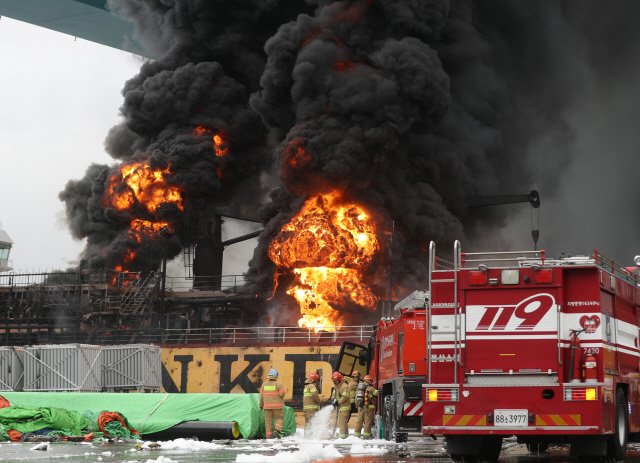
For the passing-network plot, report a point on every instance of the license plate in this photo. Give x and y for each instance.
(511, 418)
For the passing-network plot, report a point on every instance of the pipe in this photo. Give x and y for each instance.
(203, 430)
(248, 236)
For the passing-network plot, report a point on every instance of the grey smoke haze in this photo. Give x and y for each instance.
(405, 107)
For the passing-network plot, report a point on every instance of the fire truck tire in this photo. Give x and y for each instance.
(617, 445)
(491, 448)
(471, 449)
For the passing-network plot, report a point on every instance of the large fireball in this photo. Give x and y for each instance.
(329, 245)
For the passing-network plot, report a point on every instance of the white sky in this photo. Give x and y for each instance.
(58, 99)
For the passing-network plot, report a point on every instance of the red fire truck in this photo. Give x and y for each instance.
(513, 343)
(399, 372)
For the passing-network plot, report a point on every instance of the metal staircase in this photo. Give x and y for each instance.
(437, 287)
(139, 298)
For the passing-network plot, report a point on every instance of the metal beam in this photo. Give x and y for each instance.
(493, 200)
(248, 236)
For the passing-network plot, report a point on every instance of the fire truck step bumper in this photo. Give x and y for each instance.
(510, 429)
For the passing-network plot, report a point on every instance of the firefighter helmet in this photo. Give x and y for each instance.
(273, 372)
(313, 376)
(355, 374)
(336, 376)
(368, 378)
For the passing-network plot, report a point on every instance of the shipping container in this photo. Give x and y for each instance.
(136, 366)
(66, 367)
(11, 368)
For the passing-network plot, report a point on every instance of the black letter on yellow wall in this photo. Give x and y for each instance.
(184, 360)
(226, 385)
(299, 372)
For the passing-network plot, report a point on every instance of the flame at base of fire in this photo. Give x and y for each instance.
(328, 288)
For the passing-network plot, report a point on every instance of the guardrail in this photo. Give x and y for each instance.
(629, 274)
(123, 280)
(17, 334)
(241, 335)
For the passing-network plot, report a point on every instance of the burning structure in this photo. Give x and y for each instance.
(361, 126)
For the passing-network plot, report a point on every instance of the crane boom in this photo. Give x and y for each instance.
(493, 200)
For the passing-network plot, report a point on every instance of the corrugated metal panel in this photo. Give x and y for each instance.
(135, 366)
(11, 369)
(66, 367)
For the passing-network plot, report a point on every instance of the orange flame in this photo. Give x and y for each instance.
(328, 245)
(139, 183)
(219, 144)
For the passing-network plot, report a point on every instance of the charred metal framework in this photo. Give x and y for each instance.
(101, 306)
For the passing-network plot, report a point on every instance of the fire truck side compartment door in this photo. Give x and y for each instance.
(352, 357)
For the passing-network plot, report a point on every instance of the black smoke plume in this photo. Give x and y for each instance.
(405, 107)
(210, 58)
(410, 108)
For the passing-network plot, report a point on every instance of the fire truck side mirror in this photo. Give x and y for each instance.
(362, 357)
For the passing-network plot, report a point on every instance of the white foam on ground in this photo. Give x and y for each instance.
(308, 452)
(162, 459)
(187, 444)
(359, 449)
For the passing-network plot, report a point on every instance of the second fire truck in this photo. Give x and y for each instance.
(512, 344)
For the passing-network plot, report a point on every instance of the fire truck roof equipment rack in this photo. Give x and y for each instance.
(456, 265)
(508, 256)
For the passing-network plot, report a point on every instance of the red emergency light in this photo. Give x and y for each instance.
(442, 395)
(477, 278)
(543, 276)
(580, 393)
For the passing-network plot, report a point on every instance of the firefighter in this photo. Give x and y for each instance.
(310, 401)
(342, 401)
(353, 387)
(367, 410)
(271, 399)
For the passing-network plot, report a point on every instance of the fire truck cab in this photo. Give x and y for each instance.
(546, 350)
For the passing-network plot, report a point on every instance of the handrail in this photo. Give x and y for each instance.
(229, 335)
(501, 256)
(616, 269)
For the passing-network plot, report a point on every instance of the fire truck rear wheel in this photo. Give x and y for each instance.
(617, 445)
(491, 448)
(471, 449)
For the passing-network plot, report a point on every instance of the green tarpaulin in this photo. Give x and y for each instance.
(36, 417)
(172, 409)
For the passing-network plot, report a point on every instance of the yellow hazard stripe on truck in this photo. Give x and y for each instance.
(557, 420)
(464, 420)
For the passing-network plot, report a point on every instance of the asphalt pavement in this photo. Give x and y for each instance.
(292, 449)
